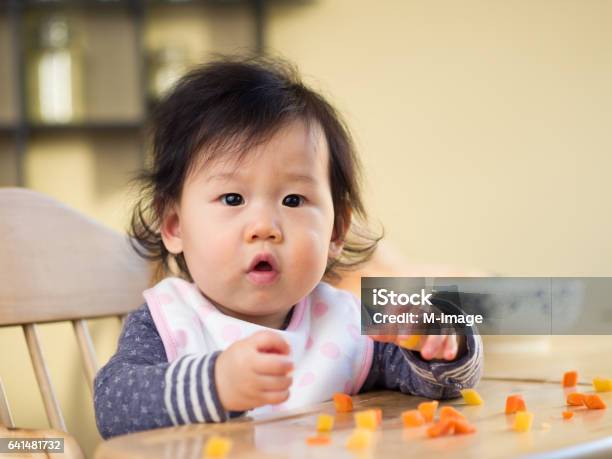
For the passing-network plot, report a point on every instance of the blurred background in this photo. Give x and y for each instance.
(483, 126)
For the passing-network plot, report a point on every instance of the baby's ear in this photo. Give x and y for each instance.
(170, 230)
(337, 242)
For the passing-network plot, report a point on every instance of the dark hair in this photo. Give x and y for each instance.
(227, 106)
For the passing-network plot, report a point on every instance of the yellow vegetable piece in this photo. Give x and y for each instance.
(523, 421)
(360, 439)
(471, 397)
(325, 422)
(411, 343)
(367, 419)
(602, 384)
(217, 446)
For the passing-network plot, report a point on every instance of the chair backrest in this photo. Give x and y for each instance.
(59, 265)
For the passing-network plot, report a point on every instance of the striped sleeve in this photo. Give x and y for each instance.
(138, 389)
(190, 394)
(400, 369)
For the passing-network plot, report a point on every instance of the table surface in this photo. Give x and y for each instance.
(546, 358)
(535, 374)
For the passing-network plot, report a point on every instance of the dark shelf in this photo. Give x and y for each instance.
(19, 13)
(51, 5)
(130, 3)
(79, 3)
(7, 129)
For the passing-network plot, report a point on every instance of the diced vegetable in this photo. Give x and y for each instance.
(442, 427)
(449, 425)
(317, 440)
(602, 384)
(428, 409)
(462, 426)
(325, 422)
(450, 412)
(570, 378)
(567, 414)
(217, 446)
(379, 415)
(343, 402)
(594, 402)
(523, 421)
(575, 399)
(411, 343)
(413, 418)
(471, 397)
(515, 403)
(366, 419)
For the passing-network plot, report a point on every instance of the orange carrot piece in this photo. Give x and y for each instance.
(318, 440)
(570, 378)
(515, 403)
(567, 414)
(594, 402)
(450, 412)
(442, 427)
(413, 418)
(462, 426)
(379, 416)
(428, 409)
(343, 402)
(575, 399)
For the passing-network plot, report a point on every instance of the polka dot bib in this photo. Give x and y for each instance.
(327, 349)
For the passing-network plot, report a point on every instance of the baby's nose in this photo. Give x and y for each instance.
(264, 230)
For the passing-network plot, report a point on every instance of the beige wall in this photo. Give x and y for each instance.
(483, 126)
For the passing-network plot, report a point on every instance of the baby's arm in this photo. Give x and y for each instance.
(400, 369)
(138, 389)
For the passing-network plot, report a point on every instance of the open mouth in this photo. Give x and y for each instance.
(263, 266)
(264, 270)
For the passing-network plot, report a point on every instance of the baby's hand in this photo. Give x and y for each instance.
(445, 347)
(253, 372)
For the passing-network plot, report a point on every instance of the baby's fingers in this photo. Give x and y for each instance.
(268, 383)
(273, 397)
(433, 346)
(450, 348)
(267, 341)
(271, 364)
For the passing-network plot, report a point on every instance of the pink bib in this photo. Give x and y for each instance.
(327, 348)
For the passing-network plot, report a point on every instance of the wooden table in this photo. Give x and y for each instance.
(283, 436)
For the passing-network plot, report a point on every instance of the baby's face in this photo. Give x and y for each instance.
(276, 205)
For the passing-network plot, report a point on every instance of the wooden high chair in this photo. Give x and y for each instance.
(58, 265)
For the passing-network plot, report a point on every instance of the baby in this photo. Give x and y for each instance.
(252, 200)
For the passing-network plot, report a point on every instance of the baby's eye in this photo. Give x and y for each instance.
(293, 200)
(231, 199)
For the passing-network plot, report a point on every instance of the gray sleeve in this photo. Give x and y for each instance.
(139, 389)
(400, 369)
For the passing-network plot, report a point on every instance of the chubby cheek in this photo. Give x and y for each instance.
(209, 255)
(309, 255)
